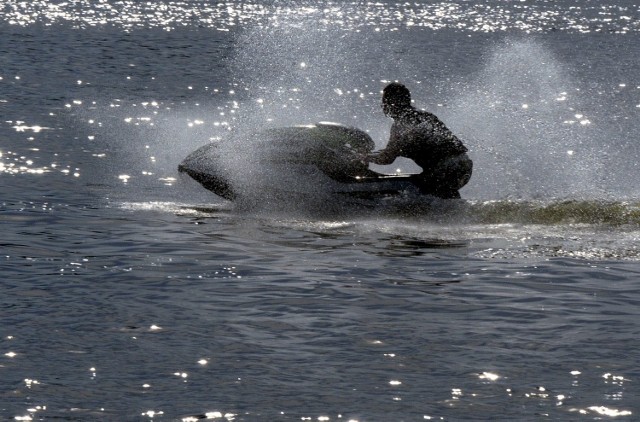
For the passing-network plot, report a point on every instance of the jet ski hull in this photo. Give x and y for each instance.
(321, 159)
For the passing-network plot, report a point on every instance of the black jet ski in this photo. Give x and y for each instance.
(324, 158)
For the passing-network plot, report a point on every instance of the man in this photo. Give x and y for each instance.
(422, 137)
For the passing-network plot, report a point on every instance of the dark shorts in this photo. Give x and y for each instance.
(447, 177)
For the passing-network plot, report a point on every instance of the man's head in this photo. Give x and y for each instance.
(396, 99)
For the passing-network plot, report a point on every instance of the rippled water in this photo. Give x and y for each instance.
(484, 16)
(131, 293)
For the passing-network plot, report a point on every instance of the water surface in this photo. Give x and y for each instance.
(131, 293)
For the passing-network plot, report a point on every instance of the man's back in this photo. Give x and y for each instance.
(422, 137)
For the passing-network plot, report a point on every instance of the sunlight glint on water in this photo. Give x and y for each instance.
(130, 292)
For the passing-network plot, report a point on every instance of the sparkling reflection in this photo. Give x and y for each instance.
(30, 382)
(211, 415)
(489, 376)
(397, 377)
(614, 379)
(12, 162)
(603, 411)
(152, 413)
(182, 375)
(21, 127)
(226, 16)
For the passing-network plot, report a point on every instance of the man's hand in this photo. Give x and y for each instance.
(364, 158)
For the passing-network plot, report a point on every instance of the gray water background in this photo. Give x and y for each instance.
(131, 293)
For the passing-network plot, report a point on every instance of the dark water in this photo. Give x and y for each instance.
(131, 293)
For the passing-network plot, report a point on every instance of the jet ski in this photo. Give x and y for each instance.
(319, 159)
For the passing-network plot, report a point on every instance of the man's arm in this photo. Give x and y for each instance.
(391, 152)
